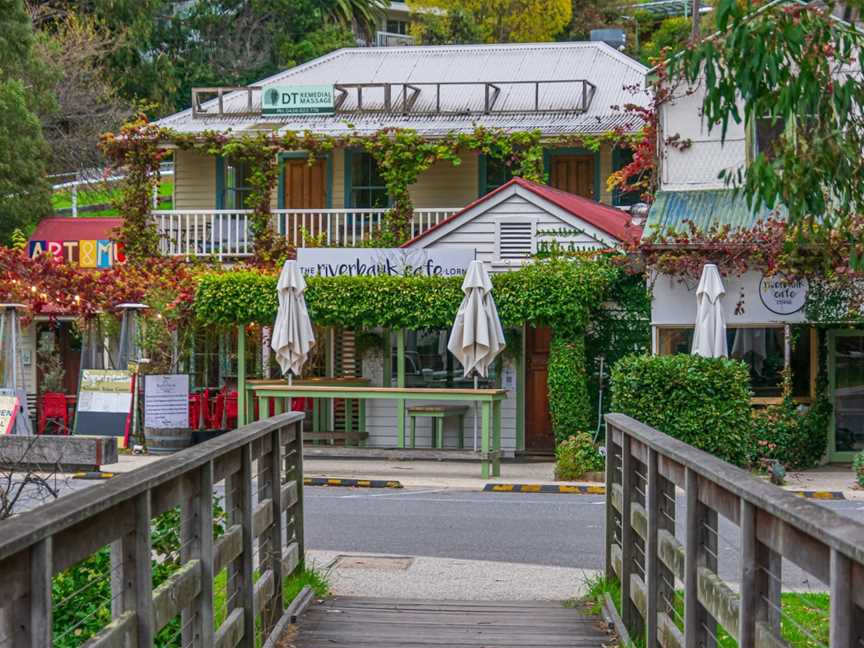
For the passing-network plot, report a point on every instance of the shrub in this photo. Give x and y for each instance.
(794, 438)
(567, 382)
(577, 455)
(858, 467)
(702, 401)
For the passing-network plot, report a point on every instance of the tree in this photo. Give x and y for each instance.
(497, 21)
(796, 69)
(24, 191)
(87, 103)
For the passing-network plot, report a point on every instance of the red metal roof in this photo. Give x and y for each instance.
(76, 229)
(613, 221)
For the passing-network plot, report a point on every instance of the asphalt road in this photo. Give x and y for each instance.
(531, 528)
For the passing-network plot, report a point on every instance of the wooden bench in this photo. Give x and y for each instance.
(438, 414)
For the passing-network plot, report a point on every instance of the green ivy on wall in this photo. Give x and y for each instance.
(564, 294)
(402, 155)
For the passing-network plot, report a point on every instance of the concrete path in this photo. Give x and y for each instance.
(424, 577)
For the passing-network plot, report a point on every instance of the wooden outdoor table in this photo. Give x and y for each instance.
(489, 400)
(322, 424)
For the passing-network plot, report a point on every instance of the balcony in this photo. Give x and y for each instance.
(389, 39)
(225, 233)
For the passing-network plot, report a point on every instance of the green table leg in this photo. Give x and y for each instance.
(278, 407)
(439, 432)
(400, 423)
(362, 421)
(461, 431)
(262, 407)
(349, 419)
(412, 423)
(484, 439)
(496, 438)
(316, 417)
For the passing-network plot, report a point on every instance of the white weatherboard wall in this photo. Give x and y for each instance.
(381, 416)
(481, 232)
(698, 165)
(674, 302)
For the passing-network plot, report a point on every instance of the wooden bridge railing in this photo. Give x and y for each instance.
(657, 569)
(255, 472)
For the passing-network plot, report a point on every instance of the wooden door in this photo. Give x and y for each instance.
(305, 187)
(305, 184)
(538, 422)
(574, 174)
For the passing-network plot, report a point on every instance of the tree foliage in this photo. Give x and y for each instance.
(24, 192)
(494, 21)
(795, 66)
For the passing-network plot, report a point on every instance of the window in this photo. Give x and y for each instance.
(621, 157)
(768, 131)
(428, 363)
(397, 27)
(516, 239)
(367, 186)
(497, 173)
(236, 186)
(761, 348)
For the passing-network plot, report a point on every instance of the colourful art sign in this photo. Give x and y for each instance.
(85, 254)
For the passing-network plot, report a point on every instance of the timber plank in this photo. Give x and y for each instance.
(361, 622)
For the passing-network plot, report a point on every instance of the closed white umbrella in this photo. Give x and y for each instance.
(709, 337)
(477, 336)
(293, 337)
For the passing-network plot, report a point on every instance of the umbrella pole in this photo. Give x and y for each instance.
(475, 414)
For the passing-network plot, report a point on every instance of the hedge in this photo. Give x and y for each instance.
(561, 294)
(567, 382)
(702, 401)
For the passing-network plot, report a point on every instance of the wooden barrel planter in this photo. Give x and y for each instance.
(167, 440)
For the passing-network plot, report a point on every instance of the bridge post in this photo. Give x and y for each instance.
(700, 628)
(611, 468)
(629, 612)
(41, 569)
(659, 579)
(270, 551)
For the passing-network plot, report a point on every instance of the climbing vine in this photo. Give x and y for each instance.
(402, 155)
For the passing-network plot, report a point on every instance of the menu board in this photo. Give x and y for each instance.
(8, 411)
(104, 402)
(166, 401)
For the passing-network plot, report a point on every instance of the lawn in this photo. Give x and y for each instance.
(105, 196)
(805, 619)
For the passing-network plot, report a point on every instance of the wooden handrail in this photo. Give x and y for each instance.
(643, 469)
(36, 545)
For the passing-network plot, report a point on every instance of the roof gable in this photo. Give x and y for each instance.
(607, 225)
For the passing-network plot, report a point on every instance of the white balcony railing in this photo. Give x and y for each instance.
(225, 233)
(389, 39)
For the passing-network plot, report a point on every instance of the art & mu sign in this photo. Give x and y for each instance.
(83, 253)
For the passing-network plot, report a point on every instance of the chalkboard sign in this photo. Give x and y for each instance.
(166, 401)
(104, 402)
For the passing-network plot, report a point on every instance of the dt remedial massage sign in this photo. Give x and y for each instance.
(358, 262)
(297, 100)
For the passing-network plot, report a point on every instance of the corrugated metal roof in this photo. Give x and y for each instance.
(611, 72)
(706, 209)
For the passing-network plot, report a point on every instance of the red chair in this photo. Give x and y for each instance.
(218, 411)
(231, 410)
(194, 411)
(54, 409)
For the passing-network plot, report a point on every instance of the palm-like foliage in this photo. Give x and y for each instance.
(363, 14)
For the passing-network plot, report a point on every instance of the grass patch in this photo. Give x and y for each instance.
(104, 196)
(805, 622)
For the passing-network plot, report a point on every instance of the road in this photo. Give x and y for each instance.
(531, 528)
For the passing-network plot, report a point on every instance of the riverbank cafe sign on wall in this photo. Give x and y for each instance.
(370, 262)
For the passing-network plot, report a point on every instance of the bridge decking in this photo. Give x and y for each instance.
(349, 622)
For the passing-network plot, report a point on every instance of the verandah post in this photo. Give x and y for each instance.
(400, 382)
(241, 376)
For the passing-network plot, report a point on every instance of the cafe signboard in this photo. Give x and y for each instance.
(297, 100)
